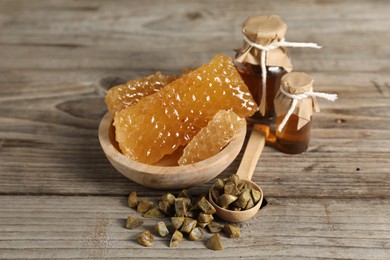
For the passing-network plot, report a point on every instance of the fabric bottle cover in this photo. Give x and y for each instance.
(264, 30)
(296, 84)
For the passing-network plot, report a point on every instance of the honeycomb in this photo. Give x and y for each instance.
(212, 138)
(125, 95)
(171, 117)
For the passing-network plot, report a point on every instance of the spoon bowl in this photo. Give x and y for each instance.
(166, 174)
(245, 172)
(238, 216)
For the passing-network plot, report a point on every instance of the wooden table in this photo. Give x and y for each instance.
(59, 196)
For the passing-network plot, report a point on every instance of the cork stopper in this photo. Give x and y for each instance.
(297, 82)
(264, 29)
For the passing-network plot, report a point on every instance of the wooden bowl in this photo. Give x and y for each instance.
(166, 174)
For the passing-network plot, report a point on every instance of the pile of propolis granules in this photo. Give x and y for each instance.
(189, 217)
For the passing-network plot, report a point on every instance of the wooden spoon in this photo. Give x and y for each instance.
(245, 172)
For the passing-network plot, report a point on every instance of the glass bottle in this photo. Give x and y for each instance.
(263, 31)
(290, 140)
(293, 121)
(252, 76)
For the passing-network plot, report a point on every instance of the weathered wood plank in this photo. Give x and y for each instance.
(81, 227)
(330, 202)
(101, 35)
(86, 171)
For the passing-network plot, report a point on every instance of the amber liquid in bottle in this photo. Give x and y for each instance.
(252, 76)
(291, 140)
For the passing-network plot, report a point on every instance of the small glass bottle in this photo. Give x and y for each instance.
(290, 140)
(263, 31)
(293, 121)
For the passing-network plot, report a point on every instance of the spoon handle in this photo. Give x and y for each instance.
(252, 152)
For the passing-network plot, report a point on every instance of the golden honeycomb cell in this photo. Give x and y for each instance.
(127, 94)
(212, 138)
(159, 123)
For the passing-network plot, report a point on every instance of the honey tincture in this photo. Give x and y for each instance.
(295, 103)
(261, 33)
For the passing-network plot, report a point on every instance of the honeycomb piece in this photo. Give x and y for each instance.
(125, 95)
(212, 138)
(161, 122)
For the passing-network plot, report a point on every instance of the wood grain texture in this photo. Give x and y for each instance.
(60, 197)
(93, 227)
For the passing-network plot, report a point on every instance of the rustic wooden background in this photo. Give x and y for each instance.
(59, 196)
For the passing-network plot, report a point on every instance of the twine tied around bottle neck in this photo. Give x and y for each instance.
(296, 97)
(264, 49)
